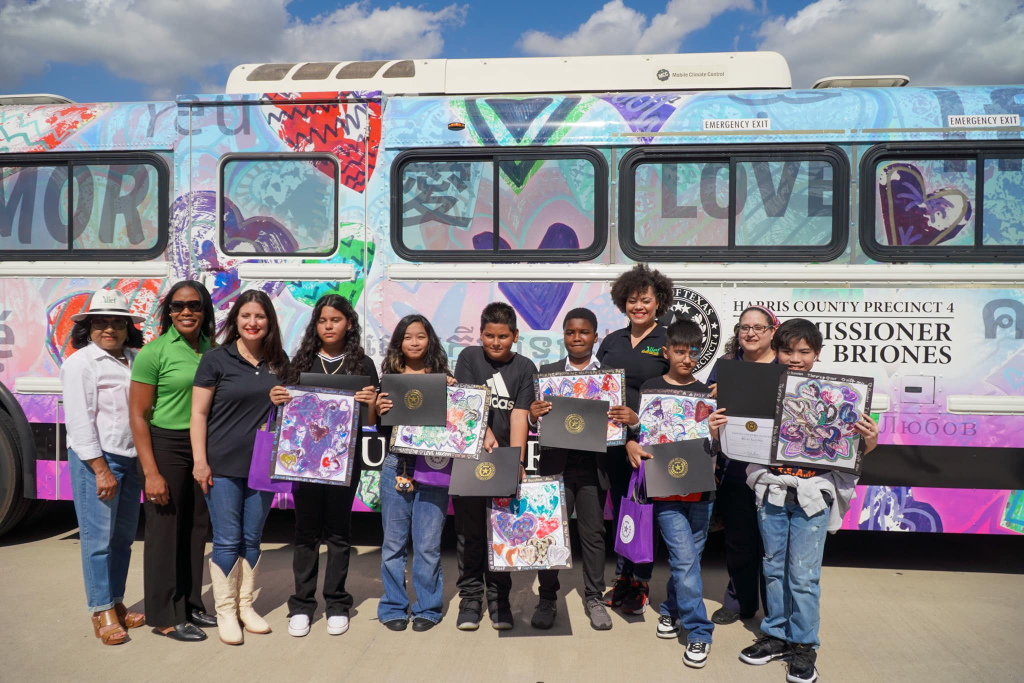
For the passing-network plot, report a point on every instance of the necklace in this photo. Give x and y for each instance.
(340, 359)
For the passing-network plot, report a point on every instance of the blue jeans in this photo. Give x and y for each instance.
(237, 514)
(422, 514)
(793, 547)
(106, 528)
(684, 526)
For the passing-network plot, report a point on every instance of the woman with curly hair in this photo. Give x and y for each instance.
(418, 511)
(643, 295)
(323, 513)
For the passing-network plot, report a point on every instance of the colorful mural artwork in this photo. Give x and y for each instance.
(240, 209)
(530, 531)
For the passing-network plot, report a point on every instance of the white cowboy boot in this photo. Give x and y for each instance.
(254, 623)
(225, 598)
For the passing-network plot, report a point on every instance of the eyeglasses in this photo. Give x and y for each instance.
(195, 305)
(100, 324)
(756, 329)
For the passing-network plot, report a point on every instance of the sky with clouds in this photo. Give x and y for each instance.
(117, 50)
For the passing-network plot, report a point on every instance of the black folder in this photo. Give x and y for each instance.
(346, 382)
(679, 469)
(416, 400)
(495, 474)
(748, 389)
(578, 424)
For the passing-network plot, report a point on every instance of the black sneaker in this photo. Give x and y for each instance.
(421, 624)
(469, 616)
(544, 615)
(617, 594)
(696, 655)
(598, 613)
(724, 616)
(764, 650)
(501, 615)
(637, 598)
(669, 627)
(801, 666)
(397, 624)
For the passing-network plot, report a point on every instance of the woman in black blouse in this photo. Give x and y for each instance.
(643, 295)
(323, 512)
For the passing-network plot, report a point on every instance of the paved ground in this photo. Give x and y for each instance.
(894, 608)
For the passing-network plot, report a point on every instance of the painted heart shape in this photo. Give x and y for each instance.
(914, 217)
(644, 113)
(558, 556)
(703, 411)
(791, 431)
(541, 545)
(848, 414)
(510, 556)
(317, 431)
(349, 130)
(528, 554)
(810, 391)
(516, 530)
(546, 527)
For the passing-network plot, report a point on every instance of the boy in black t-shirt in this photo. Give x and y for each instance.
(510, 378)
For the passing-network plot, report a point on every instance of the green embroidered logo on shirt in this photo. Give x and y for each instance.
(652, 351)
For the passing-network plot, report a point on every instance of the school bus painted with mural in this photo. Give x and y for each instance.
(891, 217)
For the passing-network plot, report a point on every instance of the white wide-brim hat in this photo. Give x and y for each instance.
(108, 302)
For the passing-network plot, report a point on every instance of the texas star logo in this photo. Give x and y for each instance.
(574, 423)
(677, 468)
(751, 426)
(689, 305)
(413, 399)
(484, 471)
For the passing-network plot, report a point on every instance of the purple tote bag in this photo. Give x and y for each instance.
(427, 471)
(262, 454)
(634, 539)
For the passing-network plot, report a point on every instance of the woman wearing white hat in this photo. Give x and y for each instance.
(101, 455)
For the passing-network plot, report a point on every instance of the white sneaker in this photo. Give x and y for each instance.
(696, 655)
(337, 625)
(669, 627)
(298, 625)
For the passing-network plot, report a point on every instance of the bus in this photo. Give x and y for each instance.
(892, 217)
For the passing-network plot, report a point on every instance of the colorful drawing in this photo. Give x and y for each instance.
(914, 214)
(667, 416)
(814, 420)
(600, 385)
(530, 531)
(463, 433)
(316, 435)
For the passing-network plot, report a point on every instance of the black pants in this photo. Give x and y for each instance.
(323, 514)
(472, 515)
(176, 533)
(744, 550)
(620, 473)
(584, 494)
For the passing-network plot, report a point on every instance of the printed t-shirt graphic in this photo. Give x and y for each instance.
(510, 382)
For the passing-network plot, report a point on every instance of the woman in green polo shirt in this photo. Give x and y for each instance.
(177, 521)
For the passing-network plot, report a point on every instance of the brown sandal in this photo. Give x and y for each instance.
(108, 629)
(129, 619)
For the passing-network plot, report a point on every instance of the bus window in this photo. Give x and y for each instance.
(118, 206)
(1003, 206)
(502, 205)
(283, 204)
(949, 202)
(734, 203)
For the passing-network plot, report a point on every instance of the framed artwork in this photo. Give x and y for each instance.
(814, 421)
(604, 385)
(463, 434)
(316, 437)
(671, 415)
(530, 531)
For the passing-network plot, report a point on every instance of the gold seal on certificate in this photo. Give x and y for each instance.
(749, 439)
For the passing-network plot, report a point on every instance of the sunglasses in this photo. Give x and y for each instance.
(195, 305)
(100, 324)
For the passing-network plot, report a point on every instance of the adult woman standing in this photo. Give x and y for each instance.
(330, 346)
(643, 295)
(101, 456)
(230, 402)
(751, 342)
(177, 521)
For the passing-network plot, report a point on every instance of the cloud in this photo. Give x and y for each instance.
(160, 44)
(619, 29)
(935, 42)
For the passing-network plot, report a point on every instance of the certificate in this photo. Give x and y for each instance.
(748, 439)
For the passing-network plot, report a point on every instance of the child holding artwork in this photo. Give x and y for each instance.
(683, 520)
(797, 507)
(586, 481)
(420, 513)
(510, 378)
(323, 512)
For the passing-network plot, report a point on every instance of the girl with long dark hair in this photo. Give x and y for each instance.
(229, 404)
(160, 408)
(420, 512)
(323, 513)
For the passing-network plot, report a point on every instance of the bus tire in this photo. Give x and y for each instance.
(13, 504)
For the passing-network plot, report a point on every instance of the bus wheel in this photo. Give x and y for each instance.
(13, 504)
